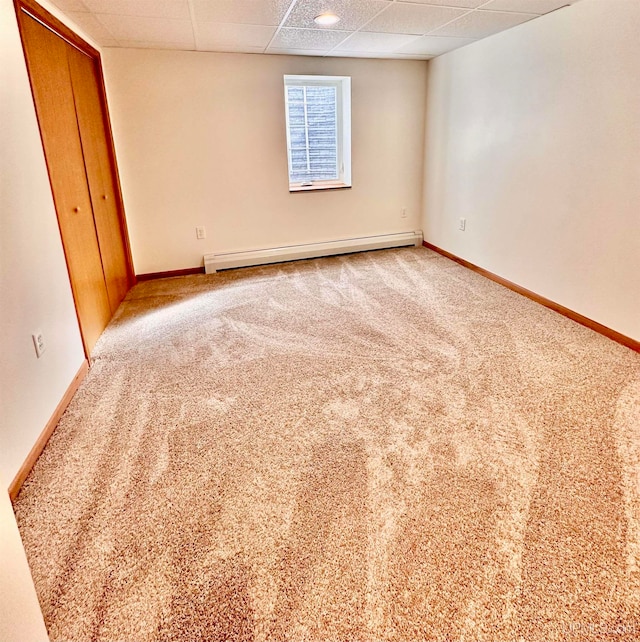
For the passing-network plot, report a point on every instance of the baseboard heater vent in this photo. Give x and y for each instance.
(215, 262)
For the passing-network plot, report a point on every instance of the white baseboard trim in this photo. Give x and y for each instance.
(215, 262)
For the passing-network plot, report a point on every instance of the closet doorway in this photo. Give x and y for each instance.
(68, 92)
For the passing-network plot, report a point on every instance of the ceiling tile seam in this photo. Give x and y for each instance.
(245, 24)
(426, 33)
(119, 15)
(520, 13)
(393, 51)
(96, 16)
(417, 3)
(464, 15)
(412, 42)
(362, 26)
(533, 17)
(350, 33)
(192, 15)
(131, 15)
(284, 19)
(296, 28)
(479, 11)
(489, 2)
(408, 44)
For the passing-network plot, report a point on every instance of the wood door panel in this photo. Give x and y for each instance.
(100, 175)
(46, 56)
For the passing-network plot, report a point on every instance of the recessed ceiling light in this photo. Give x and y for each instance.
(326, 19)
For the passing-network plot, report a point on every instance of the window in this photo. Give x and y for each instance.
(318, 113)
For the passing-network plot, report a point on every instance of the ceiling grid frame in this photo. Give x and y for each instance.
(440, 25)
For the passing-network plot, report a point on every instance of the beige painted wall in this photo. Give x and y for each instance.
(34, 284)
(533, 136)
(201, 140)
(20, 616)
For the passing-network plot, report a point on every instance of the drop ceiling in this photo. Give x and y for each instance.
(420, 29)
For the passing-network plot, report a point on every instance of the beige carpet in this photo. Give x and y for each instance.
(383, 446)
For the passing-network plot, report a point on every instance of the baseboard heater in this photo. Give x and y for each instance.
(215, 262)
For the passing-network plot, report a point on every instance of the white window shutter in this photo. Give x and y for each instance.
(313, 133)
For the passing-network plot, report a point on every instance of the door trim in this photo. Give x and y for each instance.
(33, 9)
(49, 21)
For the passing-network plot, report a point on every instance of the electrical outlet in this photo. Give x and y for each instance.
(403, 212)
(38, 343)
(463, 224)
(201, 233)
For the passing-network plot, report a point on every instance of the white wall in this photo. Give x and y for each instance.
(34, 285)
(533, 136)
(20, 615)
(200, 139)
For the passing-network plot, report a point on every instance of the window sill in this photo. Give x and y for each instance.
(318, 186)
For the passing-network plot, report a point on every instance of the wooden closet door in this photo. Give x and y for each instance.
(100, 168)
(46, 55)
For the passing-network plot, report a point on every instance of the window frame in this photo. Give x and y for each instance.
(342, 85)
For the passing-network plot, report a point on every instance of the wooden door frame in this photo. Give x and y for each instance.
(48, 20)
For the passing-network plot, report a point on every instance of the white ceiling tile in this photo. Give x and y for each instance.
(434, 45)
(90, 25)
(293, 52)
(151, 30)
(233, 49)
(412, 18)
(380, 55)
(70, 5)
(310, 39)
(383, 28)
(410, 57)
(137, 44)
(479, 24)
(248, 12)
(353, 13)
(369, 54)
(374, 42)
(356, 54)
(463, 4)
(150, 8)
(214, 36)
(527, 6)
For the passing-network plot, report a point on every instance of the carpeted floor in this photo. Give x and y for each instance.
(383, 446)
